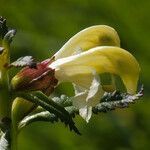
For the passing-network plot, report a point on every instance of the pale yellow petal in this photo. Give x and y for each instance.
(99, 35)
(80, 75)
(86, 113)
(86, 98)
(105, 59)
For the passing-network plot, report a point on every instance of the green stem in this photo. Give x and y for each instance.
(9, 132)
(14, 137)
(4, 96)
(5, 104)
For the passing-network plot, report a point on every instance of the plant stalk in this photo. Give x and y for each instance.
(14, 137)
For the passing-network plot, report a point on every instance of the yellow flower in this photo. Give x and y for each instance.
(85, 56)
(98, 35)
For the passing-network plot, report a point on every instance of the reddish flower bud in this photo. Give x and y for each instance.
(39, 78)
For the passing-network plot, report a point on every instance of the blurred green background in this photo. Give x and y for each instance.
(44, 26)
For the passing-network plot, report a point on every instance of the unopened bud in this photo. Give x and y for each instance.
(20, 108)
(40, 78)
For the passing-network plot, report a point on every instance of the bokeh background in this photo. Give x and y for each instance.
(44, 26)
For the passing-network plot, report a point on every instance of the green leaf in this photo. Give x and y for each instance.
(52, 107)
(9, 36)
(63, 100)
(24, 61)
(109, 103)
(41, 116)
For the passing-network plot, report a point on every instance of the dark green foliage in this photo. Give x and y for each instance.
(42, 100)
(55, 109)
